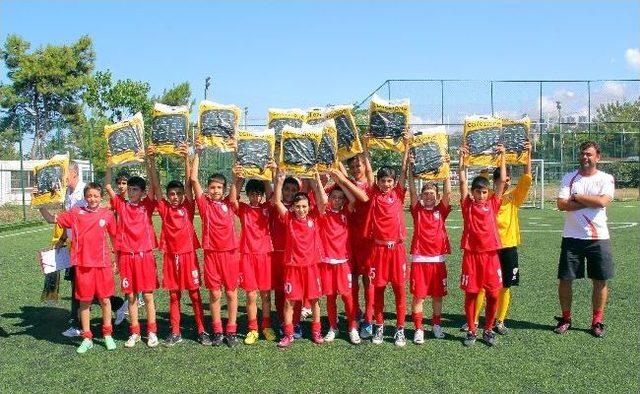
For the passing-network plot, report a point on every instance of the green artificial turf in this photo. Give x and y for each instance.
(34, 357)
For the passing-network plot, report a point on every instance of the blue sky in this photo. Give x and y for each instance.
(300, 54)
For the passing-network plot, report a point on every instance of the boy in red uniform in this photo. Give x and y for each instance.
(220, 244)
(91, 256)
(303, 252)
(429, 247)
(385, 227)
(335, 269)
(134, 243)
(178, 242)
(480, 243)
(255, 253)
(362, 177)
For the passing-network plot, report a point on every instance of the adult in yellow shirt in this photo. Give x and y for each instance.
(509, 230)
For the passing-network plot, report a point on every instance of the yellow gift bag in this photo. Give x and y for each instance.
(125, 141)
(514, 135)
(50, 181)
(299, 150)
(169, 128)
(429, 147)
(388, 121)
(482, 134)
(347, 132)
(328, 149)
(255, 149)
(217, 124)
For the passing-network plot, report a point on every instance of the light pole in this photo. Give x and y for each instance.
(207, 83)
(31, 112)
(246, 113)
(559, 107)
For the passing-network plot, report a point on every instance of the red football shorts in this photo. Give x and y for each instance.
(137, 272)
(93, 282)
(302, 283)
(255, 271)
(428, 280)
(335, 278)
(480, 271)
(180, 271)
(221, 269)
(277, 270)
(388, 265)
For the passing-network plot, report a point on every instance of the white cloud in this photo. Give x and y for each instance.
(633, 57)
(613, 89)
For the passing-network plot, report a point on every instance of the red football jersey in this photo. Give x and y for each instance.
(90, 247)
(430, 236)
(218, 227)
(334, 232)
(178, 234)
(303, 246)
(255, 236)
(359, 218)
(135, 228)
(278, 227)
(385, 217)
(480, 232)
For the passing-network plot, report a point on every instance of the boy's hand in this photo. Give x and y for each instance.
(237, 170)
(412, 158)
(447, 158)
(151, 150)
(232, 143)
(463, 151)
(406, 138)
(272, 165)
(280, 175)
(334, 174)
(527, 146)
(365, 139)
(183, 149)
(500, 149)
(199, 145)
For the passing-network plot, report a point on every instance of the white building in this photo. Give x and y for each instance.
(10, 188)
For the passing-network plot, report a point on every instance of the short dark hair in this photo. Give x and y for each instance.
(217, 177)
(479, 182)
(590, 144)
(122, 175)
(137, 181)
(254, 186)
(299, 196)
(174, 184)
(496, 173)
(292, 181)
(430, 185)
(92, 186)
(385, 171)
(354, 158)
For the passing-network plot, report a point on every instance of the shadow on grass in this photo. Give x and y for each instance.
(42, 323)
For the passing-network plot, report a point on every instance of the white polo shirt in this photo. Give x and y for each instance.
(74, 197)
(586, 223)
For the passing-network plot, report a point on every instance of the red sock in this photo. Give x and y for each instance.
(436, 319)
(231, 328)
(266, 322)
(332, 311)
(417, 320)
(491, 309)
(152, 328)
(174, 311)
(597, 317)
(349, 311)
(217, 327)
(198, 314)
(401, 304)
(566, 315)
(134, 329)
(107, 330)
(87, 334)
(470, 310)
(315, 327)
(378, 305)
(288, 329)
(252, 325)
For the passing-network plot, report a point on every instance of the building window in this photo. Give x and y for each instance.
(15, 181)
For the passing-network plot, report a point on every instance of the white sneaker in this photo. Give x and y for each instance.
(465, 327)
(378, 336)
(437, 331)
(399, 338)
(133, 339)
(418, 337)
(354, 337)
(152, 340)
(72, 332)
(140, 302)
(120, 313)
(331, 335)
(305, 313)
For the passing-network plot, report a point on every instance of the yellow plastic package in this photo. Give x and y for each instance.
(348, 136)
(299, 150)
(50, 181)
(328, 149)
(255, 149)
(169, 128)
(125, 141)
(388, 121)
(514, 135)
(315, 116)
(429, 147)
(278, 118)
(217, 124)
(481, 135)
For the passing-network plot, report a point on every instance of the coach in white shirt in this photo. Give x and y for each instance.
(584, 195)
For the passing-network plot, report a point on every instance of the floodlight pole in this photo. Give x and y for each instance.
(246, 113)
(207, 83)
(559, 107)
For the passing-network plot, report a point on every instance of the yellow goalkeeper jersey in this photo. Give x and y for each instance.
(508, 224)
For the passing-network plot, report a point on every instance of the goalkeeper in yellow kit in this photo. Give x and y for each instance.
(509, 229)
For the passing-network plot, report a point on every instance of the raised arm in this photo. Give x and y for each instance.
(446, 190)
(462, 172)
(236, 184)
(368, 170)
(321, 195)
(268, 186)
(107, 183)
(195, 183)
(527, 167)
(345, 183)
(188, 190)
(503, 170)
(156, 190)
(47, 216)
(277, 195)
(405, 159)
(413, 194)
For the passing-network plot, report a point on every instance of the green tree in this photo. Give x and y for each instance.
(617, 128)
(49, 80)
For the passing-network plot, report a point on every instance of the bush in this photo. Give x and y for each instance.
(627, 174)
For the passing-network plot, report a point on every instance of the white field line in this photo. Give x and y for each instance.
(25, 232)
